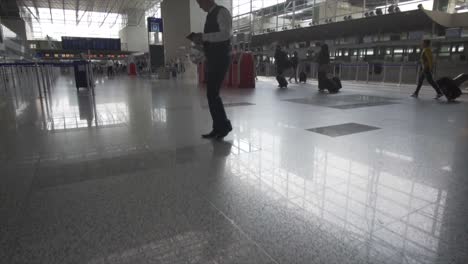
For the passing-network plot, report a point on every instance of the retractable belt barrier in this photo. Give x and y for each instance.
(23, 77)
(56, 64)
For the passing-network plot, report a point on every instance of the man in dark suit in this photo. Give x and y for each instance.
(216, 41)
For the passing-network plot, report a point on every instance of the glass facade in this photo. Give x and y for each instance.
(461, 6)
(264, 16)
(55, 23)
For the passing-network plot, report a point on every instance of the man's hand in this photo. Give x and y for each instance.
(197, 38)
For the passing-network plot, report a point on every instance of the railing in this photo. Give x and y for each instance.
(391, 73)
(377, 72)
(23, 80)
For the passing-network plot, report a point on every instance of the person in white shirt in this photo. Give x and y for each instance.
(216, 40)
(110, 67)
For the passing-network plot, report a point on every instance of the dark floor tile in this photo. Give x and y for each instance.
(237, 104)
(361, 105)
(233, 104)
(342, 129)
(341, 101)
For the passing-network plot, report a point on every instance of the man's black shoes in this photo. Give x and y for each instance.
(222, 134)
(219, 134)
(212, 134)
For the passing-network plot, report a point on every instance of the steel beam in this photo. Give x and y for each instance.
(87, 8)
(118, 12)
(50, 10)
(35, 7)
(91, 13)
(77, 9)
(144, 11)
(63, 8)
(29, 10)
(110, 10)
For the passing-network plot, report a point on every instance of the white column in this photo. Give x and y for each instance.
(134, 36)
(176, 16)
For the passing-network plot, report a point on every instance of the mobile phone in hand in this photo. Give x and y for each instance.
(190, 36)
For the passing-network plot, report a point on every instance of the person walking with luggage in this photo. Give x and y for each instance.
(281, 61)
(323, 61)
(425, 71)
(216, 41)
(110, 68)
(294, 64)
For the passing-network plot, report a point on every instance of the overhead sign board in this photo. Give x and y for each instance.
(76, 43)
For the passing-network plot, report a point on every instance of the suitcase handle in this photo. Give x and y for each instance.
(460, 79)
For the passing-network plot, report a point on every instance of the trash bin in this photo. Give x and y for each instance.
(82, 78)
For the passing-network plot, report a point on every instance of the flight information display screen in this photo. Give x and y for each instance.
(75, 43)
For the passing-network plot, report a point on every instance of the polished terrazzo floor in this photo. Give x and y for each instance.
(368, 175)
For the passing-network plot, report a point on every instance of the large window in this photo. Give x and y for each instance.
(263, 16)
(56, 23)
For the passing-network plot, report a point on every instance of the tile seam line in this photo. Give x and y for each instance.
(233, 223)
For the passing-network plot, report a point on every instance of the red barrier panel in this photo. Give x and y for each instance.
(132, 69)
(247, 71)
(234, 80)
(241, 72)
(227, 79)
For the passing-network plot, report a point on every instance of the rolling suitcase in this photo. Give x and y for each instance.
(302, 77)
(334, 85)
(337, 82)
(333, 88)
(450, 87)
(282, 81)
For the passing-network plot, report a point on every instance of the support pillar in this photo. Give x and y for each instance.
(134, 36)
(181, 17)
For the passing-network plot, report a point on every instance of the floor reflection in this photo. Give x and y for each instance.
(388, 213)
(149, 182)
(86, 107)
(82, 111)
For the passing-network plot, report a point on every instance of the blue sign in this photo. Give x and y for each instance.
(155, 24)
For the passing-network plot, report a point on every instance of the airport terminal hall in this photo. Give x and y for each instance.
(233, 131)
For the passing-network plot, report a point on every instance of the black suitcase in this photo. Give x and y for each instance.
(334, 85)
(282, 81)
(302, 77)
(337, 82)
(449, 88)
